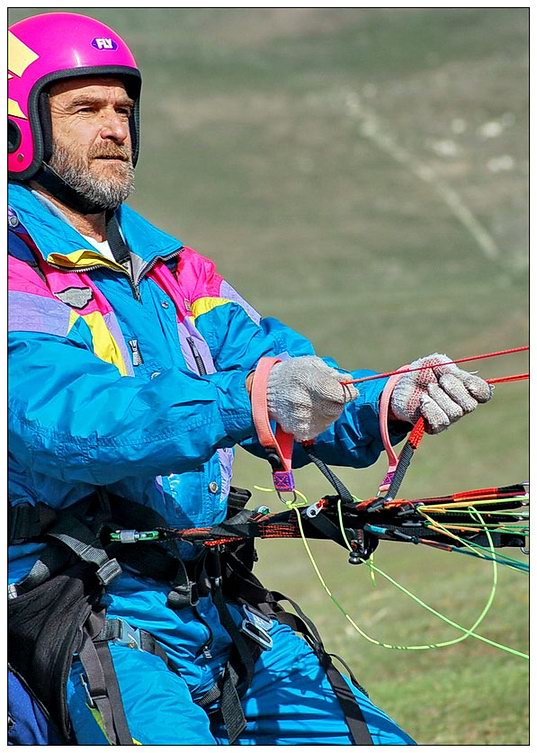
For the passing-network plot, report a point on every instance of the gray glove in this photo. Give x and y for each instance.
(305, 396)
(441, 394)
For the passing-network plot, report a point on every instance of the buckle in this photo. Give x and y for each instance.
(257, 617)
(256, 626)
(127, 635)
(107, 572)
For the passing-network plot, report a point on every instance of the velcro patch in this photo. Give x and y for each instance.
(77, 298)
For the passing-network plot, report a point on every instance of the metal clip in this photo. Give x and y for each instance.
(256, 626)
(127, 536)
(314, 509)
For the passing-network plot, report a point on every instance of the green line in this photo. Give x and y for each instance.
(513, 564)
(485, 553)
(466, 631)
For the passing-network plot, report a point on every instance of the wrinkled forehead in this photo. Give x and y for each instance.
(89, 86)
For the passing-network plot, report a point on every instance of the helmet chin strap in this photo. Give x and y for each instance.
(52, 182)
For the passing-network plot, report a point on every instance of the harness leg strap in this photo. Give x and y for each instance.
(350, 707)
(104, 690)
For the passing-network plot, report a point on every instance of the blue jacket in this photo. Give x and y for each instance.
(138, 385)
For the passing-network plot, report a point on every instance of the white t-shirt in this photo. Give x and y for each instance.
(103, 247)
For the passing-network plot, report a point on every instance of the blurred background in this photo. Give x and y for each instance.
(362, 174)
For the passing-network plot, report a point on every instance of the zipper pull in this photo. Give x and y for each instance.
(197, 357)
(137, 359)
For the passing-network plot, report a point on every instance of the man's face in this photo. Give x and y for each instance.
(92, 149)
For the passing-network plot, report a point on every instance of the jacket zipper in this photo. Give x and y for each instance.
(134, 282)
(79, 271)
(137, 359)
(202, 371)
(149, 266)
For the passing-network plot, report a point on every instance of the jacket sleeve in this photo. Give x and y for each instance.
(74, 417)
(238, 337)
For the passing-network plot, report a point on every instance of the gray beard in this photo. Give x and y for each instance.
(106, 194)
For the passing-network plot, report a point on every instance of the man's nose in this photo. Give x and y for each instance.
(115, 127)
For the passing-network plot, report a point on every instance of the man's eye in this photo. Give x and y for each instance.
(85, 109)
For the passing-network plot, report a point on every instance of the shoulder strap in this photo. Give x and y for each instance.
(118, 246)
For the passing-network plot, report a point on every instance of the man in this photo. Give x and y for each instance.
(132, 364)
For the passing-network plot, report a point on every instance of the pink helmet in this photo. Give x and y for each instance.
(47, 48)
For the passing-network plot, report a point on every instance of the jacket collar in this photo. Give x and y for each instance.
(60, 244)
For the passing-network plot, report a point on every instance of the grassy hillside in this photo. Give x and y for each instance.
(362, 174)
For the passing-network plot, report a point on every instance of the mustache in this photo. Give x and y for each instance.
(110, 151)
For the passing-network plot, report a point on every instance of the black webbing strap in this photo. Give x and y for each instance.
(237, 498)
(184, 592)
(50, 562)
(350, 707)
(328, 529)
(342, 491)
(76, 539)
(230, 704)
(120, 631)
(26, 521)
(243, 656)
(239, 670)
(118, 246)
(103, 689)
(405, 457)
(85, 545)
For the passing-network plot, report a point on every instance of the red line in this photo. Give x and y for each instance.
(512, 378)
(458, 360)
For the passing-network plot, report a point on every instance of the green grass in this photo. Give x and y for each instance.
(287, 144)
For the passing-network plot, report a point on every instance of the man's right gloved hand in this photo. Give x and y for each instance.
(305, 396)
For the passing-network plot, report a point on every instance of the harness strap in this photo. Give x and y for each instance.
(238, 498)
(230, 704)
(119, 631)
(184, 592)
(50, 562)
(352, 712)
(242, 581)
(102, 685)
(103, 689)
(350, 707)
(26, 521)
(85, 545)
(118, 246)
(239, 670)
(74, 537)
(342, 491)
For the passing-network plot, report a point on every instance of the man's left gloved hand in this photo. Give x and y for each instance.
(441, 394)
